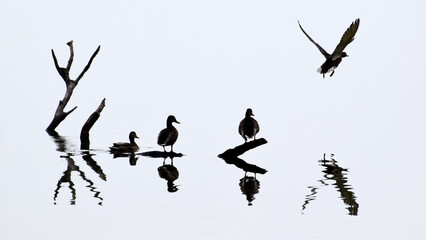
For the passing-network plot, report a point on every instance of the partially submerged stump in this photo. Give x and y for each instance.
(84, 135)
(60, 114)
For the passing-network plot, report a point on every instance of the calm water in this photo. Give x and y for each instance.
(51, 189)
(344, 157)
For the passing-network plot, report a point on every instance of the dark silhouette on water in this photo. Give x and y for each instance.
(167, 171)
(169, 135)
(170, 173)
(248, 127)
(62, 146)
(60, 114)
(131, 155)
(66, 178)
(87, 156)
(333, 60)
(160, 154)
(126, 146)
(84, 134)
(333, 172)
(231, 156)
(249, 185)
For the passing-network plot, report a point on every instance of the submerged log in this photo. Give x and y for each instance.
(84, 135)
(231, 156)
(160, 154)
(239, 150)
(60, 114)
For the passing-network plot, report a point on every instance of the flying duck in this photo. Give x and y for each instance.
(248, 127)
(125, 146)
(333, 60)
(169, 135)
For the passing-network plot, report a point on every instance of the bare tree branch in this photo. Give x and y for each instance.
(60, 114)
(88, 64)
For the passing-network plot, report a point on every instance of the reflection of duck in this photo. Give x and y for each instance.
(169, 173)
(249, 187)
(248, 127)
(131, 155)
(169, 135)
(125, 146)
(335, 58)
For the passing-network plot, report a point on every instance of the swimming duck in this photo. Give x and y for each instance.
(125, 146)
(169, 135)
(333, 60)
(248, 127)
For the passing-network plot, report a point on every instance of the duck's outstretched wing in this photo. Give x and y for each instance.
(325, 53)
(347, 38)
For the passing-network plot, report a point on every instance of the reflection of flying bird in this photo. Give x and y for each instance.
(335, 58)
(248, 127)
(125, 146)
(169, 135)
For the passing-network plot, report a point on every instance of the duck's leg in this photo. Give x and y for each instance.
(332, 73)
(171, 148)
(164, 148)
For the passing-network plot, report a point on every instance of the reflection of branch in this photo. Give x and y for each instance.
(61, 143)
(67, 178)
(91, 185)
(62, 146)
(94, 165)
(231, 156)
(247, 167)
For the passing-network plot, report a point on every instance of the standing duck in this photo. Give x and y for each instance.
(169, 135)
(248, 127)
(125, 146)
(333, 60)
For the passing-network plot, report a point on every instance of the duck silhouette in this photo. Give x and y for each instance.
(248, 127)
(125, 146)
(169, 135)
(333, 60)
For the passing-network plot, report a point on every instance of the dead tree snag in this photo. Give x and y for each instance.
(60, 114)
(84, 135)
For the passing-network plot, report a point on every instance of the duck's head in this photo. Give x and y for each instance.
(171, 119)
(344, 54)
(133, 135)
(249, 112)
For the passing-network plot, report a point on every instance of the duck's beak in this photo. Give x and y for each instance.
(136, 136)
(177, 121)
